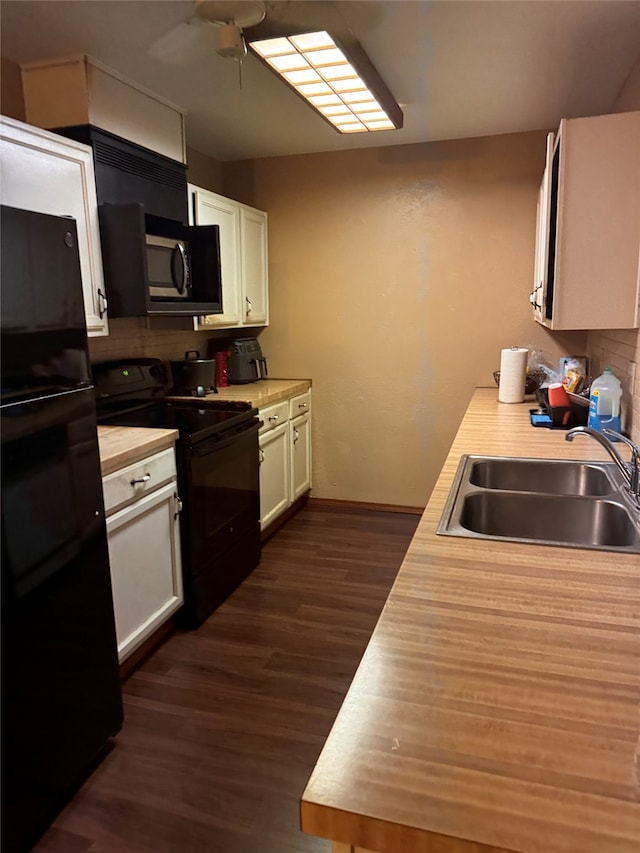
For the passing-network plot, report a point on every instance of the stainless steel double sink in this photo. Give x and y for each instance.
(546, 502)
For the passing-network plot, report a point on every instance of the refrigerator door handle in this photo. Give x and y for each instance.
(102, 304)
(176, 498)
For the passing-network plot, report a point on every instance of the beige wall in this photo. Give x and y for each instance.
(11, 97)
(621, 349)
(628, 98)
(396, 277)
(204, 171)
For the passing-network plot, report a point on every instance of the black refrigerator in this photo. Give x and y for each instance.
(61, 699)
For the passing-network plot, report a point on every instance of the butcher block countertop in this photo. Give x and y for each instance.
(259, 394)
(120, 445)
(497, 705)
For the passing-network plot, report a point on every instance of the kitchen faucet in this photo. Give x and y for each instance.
(631, 470)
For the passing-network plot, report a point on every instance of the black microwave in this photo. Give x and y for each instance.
(157, 266)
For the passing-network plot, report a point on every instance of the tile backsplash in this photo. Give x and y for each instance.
(130, 338)
(620, 350)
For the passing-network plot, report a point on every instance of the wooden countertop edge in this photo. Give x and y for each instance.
(261, 393)
(327, 807)
(122, 446)
(338, 825)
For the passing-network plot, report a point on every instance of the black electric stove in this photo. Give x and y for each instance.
(218, 475)
(132, 393)
(193, 424)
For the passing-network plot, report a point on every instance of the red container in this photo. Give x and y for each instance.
(222, 360)
(558, 395)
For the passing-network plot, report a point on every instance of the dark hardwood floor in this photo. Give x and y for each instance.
(223, 725)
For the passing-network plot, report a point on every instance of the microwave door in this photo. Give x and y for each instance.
(205, 274)
(168, 268)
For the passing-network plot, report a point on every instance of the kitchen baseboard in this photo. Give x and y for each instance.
(137, 657)
(330, 503)
(277, 523)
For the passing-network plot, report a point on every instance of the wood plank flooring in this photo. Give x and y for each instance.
(223, 726)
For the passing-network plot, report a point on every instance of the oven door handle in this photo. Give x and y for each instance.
(223, 439)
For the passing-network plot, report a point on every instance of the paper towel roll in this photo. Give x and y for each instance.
(513, 373)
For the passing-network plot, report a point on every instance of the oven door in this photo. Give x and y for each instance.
(221, 517)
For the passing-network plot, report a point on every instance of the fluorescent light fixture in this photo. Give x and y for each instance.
(340, 83)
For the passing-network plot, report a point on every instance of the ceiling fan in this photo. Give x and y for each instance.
(214, 25)
(333, 75)
(219, 25)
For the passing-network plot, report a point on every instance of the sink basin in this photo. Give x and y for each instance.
(549, 518)
(555, 477)
(546, 502)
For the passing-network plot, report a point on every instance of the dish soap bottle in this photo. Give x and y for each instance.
(604, 402)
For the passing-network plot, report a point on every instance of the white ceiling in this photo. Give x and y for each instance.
(458, 68)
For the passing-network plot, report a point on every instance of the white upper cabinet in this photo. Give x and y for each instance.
(207, 208)
(587, 260)
(47, 173)
(243, 257)
(253, 241)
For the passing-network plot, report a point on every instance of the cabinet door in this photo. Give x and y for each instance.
(46, 173)
(208, 208)
(274, 474)
(253, 243)
(541, 260)
(300, 442)
(592, 276)
(146, 570)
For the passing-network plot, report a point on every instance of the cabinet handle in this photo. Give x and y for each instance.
(144, 479)
(296, 435)
(303, 406)
(249, 306)
(102, 304)
(176, 498)
(273, 419)
(261, 457)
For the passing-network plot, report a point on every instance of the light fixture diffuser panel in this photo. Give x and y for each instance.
(340, 83)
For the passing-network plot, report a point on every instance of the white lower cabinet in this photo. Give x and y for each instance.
(142, 508)
(285, 455)
(274, 474)
(300, 448)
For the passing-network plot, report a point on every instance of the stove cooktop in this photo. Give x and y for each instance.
(192, 422)
(131, 392)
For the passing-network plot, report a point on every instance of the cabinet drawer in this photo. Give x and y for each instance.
(300, 405)
(130, 483)
(273, 416)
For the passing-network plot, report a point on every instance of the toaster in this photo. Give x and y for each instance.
(246, 362)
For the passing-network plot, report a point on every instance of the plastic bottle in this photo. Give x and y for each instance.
(604, 402)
